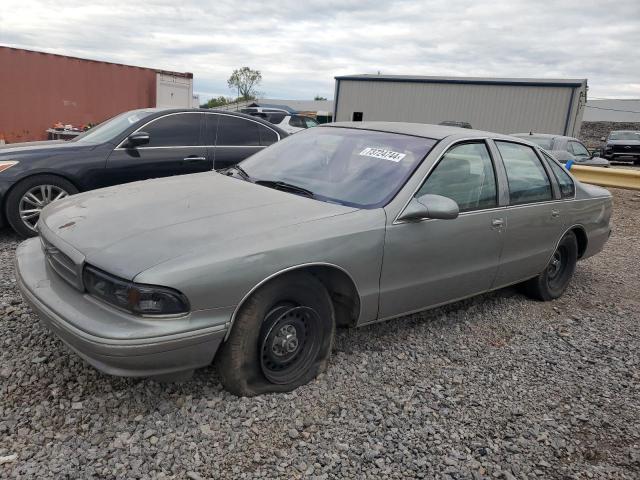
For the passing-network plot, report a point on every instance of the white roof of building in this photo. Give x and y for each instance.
(612, 110)
(561, 82)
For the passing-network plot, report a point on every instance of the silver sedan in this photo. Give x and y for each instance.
(341, 225)
(564, 149)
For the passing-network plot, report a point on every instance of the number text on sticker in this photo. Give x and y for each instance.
(382, 153)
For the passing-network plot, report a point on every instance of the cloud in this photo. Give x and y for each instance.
(301, 46)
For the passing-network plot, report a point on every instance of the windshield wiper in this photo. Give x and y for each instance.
(241, 172)
(288, 187)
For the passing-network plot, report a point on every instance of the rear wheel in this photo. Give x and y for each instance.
(27, 199)
(554, 280)
(281, 338)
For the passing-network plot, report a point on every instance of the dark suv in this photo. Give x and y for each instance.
(134, 145)
(622, 145)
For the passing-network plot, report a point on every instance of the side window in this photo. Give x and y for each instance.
(236, 131)
(310, 122)
(567, 188)
(578, 149)
(465, 174)
(178, 130)
(267, 136)
(528, 180)
(296, 121)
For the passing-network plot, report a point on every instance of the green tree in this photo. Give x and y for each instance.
(245, 80)
(217, 102)
(318, 97)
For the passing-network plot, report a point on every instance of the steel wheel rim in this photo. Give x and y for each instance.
(289, 342)
(557, 267)
(35, 199)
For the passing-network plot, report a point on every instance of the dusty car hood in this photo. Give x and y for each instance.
(129, 228)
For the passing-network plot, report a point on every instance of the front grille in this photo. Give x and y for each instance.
(61, 263)
(626, 149)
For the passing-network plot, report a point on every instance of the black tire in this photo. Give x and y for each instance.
(555, 278)
(245, 362)
(12, 204)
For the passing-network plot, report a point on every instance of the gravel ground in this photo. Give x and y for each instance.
(493, 387)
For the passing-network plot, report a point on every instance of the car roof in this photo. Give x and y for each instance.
(541, 135)
(624, 131)
(426, 130)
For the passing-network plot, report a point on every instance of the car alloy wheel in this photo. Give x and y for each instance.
(289, 343)
(35, 199)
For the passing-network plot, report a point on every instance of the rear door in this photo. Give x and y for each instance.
(238, 138)
(176, 147)
(534, 216)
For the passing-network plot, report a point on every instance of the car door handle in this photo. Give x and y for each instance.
(497, 222)
(555, 213)
(194, 159)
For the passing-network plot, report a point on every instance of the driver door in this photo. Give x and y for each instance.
(430, 262)
(175, 147)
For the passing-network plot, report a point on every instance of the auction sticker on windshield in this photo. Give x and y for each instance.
(383, 154)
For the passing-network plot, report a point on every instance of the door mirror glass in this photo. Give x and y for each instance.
(430, 206)
(138, 138)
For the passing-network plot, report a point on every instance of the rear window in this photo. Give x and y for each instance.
(542, 142)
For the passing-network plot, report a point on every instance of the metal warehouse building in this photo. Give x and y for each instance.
(503, 105)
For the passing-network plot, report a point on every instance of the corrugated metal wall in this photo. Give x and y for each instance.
(39, 89)
(495, 108)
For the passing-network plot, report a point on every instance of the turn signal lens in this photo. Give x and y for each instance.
(7, 165)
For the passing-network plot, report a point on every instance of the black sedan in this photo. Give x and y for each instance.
(134, 145)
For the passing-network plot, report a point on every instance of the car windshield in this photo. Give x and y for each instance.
(113, 127)
(624, 136)
(354, 167)
(542, 142)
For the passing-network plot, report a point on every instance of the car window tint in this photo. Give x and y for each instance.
(465, 174)
(267, 136)
(567, 188)
(236, 131)
(179, 130)
(528, 180)
(275, 117)
(578, 149)
(309, 122)
(297, 122)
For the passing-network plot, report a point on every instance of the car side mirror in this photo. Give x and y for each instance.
(430, 206)
(138, 138)
(602, 139)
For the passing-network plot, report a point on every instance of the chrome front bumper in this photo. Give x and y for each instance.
(112, 341)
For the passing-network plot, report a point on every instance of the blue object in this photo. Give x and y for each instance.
(568, 164)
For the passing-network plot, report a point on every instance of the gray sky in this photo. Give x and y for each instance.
(299, 46)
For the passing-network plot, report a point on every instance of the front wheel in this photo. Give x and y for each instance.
(555, 278)
(281, 338)
(27, 199)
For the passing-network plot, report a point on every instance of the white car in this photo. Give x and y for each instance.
(289, 122)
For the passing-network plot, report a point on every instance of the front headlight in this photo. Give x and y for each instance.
(133, 297)
(7, 164)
